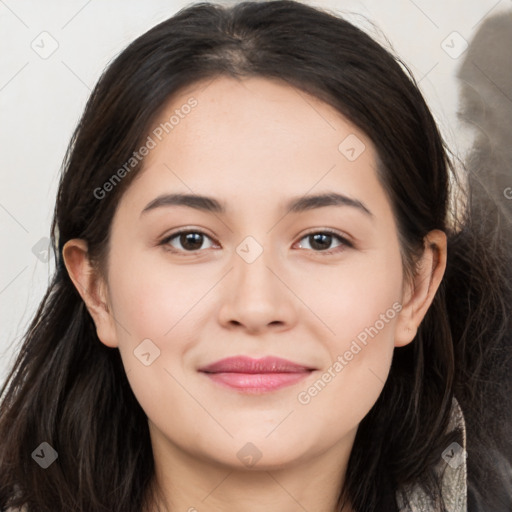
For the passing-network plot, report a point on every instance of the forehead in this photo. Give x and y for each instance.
(265, 119)
(258, 138)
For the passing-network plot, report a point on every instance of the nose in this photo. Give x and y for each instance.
(256, 297)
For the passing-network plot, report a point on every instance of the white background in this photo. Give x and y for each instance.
(41, 100)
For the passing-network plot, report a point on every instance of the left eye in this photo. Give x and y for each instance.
(321, 240)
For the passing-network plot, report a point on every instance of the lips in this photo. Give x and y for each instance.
(242, 364)
(256, 375)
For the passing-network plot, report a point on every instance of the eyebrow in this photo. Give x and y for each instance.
(295, 205)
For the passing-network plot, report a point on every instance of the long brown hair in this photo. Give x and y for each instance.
(69, 390)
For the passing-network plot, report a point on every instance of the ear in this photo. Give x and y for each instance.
(91, 287)
(419, 294)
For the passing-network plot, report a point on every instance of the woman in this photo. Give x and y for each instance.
(265, 296)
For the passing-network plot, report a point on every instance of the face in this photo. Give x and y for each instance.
(261, 270)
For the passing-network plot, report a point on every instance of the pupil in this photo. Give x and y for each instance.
(324, 239)
(192, 241)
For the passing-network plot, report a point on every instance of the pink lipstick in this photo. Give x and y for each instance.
(256, 375)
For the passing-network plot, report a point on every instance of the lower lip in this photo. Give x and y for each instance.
(257, 382)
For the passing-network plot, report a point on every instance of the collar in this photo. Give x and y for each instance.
(451, 471)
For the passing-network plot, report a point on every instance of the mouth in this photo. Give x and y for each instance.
(256, 375)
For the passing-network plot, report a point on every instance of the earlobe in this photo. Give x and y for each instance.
(420, 293)
(91, 288)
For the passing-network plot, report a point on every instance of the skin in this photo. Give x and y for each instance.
(254, 144)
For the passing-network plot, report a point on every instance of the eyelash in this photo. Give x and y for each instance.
(344, 242)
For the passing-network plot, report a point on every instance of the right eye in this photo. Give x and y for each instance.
(189, 240)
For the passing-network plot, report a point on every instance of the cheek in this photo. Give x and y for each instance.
(354, 296)
(155, 303)
(361, 308)
(152, 300)
(345, 390)
(160, 304)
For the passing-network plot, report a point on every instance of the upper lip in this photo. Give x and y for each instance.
(243, 364)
